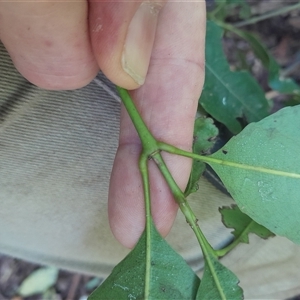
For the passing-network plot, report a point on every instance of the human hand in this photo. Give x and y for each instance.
(53, 46)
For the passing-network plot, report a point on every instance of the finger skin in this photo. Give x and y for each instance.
(168, 103)
(61, 45)
(109, 22)
(109, 27)
(49, 42)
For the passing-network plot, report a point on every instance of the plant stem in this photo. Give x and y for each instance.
(149, 146)
(183, 205)
(151, 149)
(212, 160)
(148, 141)
(143, 166)
(228, 248)
(268, 15)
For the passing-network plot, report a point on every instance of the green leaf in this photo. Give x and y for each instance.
(276, 81)
(242, 224)
(205, 134)
(260, 168)
(218, 282)
(170, 276)
(229, 96)
(38, 281)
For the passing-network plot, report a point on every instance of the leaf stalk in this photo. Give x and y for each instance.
(148, 141)
(143, 166)
(213, 160)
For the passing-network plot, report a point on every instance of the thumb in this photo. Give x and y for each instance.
(122, 35)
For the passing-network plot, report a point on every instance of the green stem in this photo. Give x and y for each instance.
(143, 166)
(224, 251)
(148, 141)
(211, 160)
(238, 239)
(151, 149)
(271, 14)
(208, 252)
(149, 146)
(230, 27)
(183, 205)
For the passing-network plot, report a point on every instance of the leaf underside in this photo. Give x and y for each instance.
(170, 276)
(229, 96)
(218, 282)
(269, 192)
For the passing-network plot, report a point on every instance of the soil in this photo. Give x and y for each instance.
(280, 34)
(69, 285)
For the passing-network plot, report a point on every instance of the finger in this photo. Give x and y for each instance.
(168, 103)
(49, 42)
(122, 36)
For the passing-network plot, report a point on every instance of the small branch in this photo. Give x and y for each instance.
(183, 205)
(143, 166)
(147, 139)
(228, 248)
(145, 178)
(271, 14)
(151, 149)
(212, 160)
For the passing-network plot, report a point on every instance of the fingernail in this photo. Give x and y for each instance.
(139, 41)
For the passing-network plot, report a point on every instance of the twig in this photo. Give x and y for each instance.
(271, 14)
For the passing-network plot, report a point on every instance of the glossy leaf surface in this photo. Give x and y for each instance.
(170, 276)
(260, 167)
